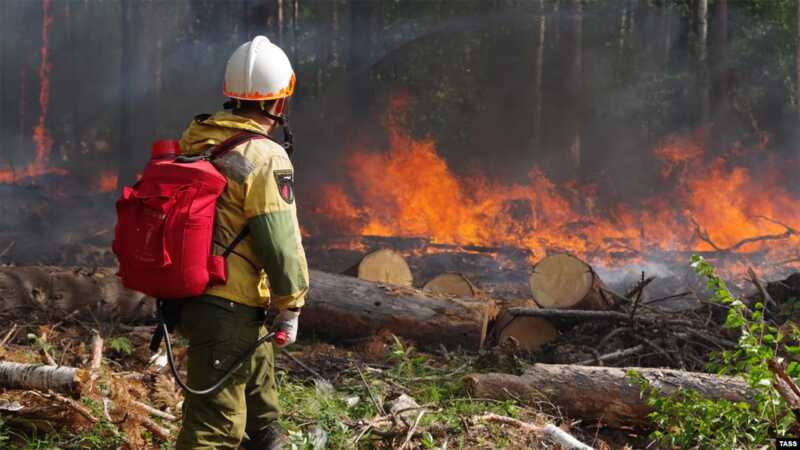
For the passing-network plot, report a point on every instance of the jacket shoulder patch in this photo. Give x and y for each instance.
(234, 166)
(285, 181)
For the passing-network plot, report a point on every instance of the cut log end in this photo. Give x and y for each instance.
(529, 332)
(452, 284)
(385, 266)
(564, 281)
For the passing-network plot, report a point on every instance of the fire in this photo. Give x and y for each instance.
(107, 182)
(717, 206)
(41, 137)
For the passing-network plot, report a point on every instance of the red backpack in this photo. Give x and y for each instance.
(165, 223)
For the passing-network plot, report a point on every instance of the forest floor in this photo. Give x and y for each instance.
(379, 393)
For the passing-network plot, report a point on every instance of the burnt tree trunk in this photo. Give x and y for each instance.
(600, 393)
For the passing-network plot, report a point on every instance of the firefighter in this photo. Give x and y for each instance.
(267, 268)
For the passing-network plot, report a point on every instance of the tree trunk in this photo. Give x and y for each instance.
(541, 28)
(56, 289)
(600, 393)
(575, 81)
(65, 380)
(126, 144)
(564, 281)
(797, 63)
(701, 48)
(342, 307)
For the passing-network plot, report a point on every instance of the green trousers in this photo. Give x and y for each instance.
(219, 331)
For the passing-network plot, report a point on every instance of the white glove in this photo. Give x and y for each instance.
(286, 321)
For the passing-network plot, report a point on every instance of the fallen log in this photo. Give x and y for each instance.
(65, 380)
(564, 281)
(338, 306)
(341, 307)
(612, 316)
(63, 290)
(606, 394)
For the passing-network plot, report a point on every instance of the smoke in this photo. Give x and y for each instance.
(127, 73)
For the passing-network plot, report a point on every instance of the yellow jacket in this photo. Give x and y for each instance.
(259, 194)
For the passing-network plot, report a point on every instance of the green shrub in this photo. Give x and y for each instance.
(686, 420)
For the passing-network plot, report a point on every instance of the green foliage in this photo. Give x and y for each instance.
(684, 419)
(121, 345)
(42, 344)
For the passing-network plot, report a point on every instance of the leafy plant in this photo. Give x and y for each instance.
(684, 419)
(121, 345)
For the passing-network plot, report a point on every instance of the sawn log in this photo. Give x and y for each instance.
(606, 394)
(342, 307)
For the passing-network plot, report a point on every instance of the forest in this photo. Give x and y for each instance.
(528, 223)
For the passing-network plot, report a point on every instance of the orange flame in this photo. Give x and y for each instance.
(41, 137)
(107, 182)
(712, 207)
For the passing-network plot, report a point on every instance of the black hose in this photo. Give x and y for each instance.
(236, 365)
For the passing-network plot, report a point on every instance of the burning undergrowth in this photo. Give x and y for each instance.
(734, 208)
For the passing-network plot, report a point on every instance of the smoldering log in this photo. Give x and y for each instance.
(65, 380)
(342, 307)
(606, 394)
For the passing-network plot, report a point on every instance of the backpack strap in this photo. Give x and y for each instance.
(232, 142)
(219, 151)
(239, 238)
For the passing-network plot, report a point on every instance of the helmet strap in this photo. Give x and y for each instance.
(283, 121)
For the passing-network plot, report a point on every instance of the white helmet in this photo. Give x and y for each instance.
(258, 70)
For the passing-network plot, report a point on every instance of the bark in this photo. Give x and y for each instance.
(600, 393)
(541, 28)
(338, 306)
(58, 290)
(65, 380)
(564, 281)
(342, 307)
(574, 80)
(797, 63)
(701, 23)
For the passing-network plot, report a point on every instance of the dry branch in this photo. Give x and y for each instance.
(549, 431)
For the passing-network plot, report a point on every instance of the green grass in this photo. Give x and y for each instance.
(439, 388)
